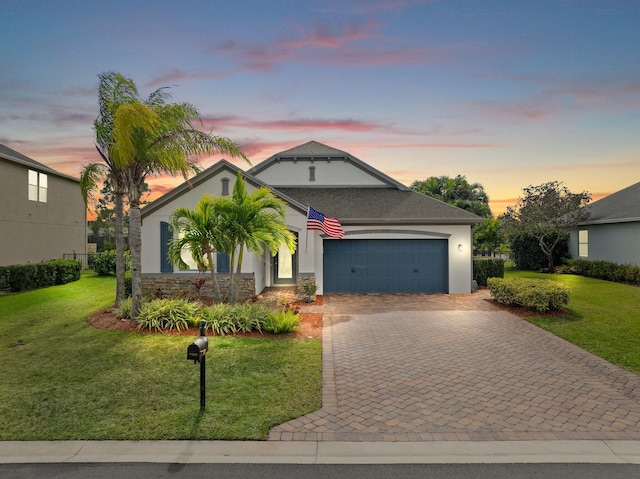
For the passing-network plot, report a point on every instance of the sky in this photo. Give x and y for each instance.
(509, 93)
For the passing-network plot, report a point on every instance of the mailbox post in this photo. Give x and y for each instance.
(197, 351)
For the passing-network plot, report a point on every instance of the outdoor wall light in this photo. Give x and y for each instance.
(460, 247)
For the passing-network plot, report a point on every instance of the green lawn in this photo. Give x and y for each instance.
(605, 318)
(63, 379)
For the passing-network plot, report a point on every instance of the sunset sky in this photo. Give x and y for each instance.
(509, 93)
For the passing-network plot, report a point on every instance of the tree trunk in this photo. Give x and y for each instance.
(120, 262)
(236, 281)
(135, 238)
(214, 277)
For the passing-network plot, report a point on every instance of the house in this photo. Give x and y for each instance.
(395, 239)
(612, 232)
(42, 213)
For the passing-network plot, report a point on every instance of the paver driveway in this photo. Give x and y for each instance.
(454, 367)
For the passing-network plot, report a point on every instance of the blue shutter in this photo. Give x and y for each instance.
(223, 263)
(165, 237)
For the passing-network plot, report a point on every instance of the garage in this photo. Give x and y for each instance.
(385, 266)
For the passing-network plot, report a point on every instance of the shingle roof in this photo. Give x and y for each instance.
(17, 157)
(313, 148)
(618, 207)
(376, 205)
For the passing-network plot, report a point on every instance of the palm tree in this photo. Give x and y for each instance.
(154, 136)
(253, 221)
(200, 232)
(456, 191)
(113, 91)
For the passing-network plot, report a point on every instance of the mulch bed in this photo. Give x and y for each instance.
(106, 319)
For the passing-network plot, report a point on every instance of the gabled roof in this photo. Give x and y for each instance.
(204, 176)
(9, 154)
(619, 207)
(354, 206)
(316, 150)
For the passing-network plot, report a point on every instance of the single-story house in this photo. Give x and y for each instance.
(612, 231)
(395, 239)
(42, 213)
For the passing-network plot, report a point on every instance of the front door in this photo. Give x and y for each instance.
(284, 266)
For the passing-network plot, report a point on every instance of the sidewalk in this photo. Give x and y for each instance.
(307, 452)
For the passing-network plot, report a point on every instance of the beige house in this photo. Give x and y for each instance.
(42, 214)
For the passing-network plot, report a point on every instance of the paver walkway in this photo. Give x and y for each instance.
(454, 367)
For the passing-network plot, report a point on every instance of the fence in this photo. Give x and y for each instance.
(82, 257)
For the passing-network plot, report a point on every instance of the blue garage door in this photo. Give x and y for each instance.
(385, 266)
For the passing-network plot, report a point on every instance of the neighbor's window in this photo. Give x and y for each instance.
(37, 186)
(583, 243)
(225, 186)
(312, 173)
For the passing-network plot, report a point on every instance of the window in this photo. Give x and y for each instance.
(583, 243)
(223, 263)
(312, 173)
(37, 186)
(225, 186)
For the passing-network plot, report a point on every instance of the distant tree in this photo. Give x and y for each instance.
(456, 191)
(546, 211)
(488, 235)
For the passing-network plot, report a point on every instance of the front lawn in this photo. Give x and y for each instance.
(605, 317)
(63, 379)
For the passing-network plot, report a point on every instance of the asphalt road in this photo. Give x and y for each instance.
(319, 471)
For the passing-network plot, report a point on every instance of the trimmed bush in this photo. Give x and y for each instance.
(532, 294)
(485, 267)
(620, 273)
(67, 270)
(25, 277)
(104, 263)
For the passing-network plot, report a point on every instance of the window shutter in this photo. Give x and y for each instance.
(165, 237)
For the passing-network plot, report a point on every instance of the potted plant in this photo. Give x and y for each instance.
(309, 289)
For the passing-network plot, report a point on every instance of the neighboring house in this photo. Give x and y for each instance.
(42, 214)
(396, 240)
(612, 232)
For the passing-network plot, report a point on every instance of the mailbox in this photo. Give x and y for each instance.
(198, 349)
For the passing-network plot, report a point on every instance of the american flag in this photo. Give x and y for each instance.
(329, 226)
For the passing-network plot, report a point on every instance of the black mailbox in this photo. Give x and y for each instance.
(198, 349)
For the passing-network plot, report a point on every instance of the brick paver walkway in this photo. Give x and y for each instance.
(453, 367)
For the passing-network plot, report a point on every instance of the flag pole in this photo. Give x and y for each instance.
(306, 241)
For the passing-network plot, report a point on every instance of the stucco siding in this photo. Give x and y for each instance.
(615, 242)
(32, 231)
(327, 173)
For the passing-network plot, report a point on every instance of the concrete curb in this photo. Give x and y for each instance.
(309, 452)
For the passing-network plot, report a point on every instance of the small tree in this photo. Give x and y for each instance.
(544, 211)
(200, 231)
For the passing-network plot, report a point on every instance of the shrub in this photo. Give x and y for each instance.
(24, 277)
(282, 322)
(532, 294)
(67, 270)
(233, 318)
(485, 267)
(168, 314)
(104, 263)
(607, 270)
(124, 309)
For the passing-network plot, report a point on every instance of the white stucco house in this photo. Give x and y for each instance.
(395, 239)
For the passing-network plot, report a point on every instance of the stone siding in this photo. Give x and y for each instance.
(178, 284)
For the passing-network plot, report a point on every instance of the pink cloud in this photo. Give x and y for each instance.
(176, 74)
(301, 124)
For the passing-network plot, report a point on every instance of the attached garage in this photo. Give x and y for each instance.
(385, 266)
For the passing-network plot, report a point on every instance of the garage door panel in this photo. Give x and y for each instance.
(385, 266)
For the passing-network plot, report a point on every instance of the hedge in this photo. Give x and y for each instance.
(527, 254)
(24, 277)
(486, 267)
(607, 270)
(540, 295)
